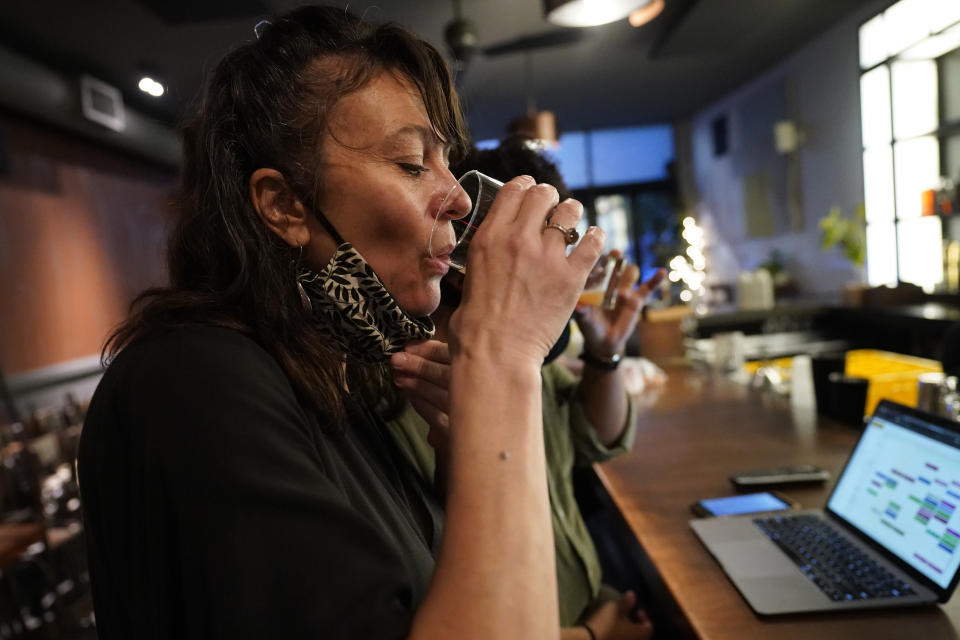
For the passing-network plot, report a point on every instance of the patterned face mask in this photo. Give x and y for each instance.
(352, 304)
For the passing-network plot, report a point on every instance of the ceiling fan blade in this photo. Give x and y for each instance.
(556, 38)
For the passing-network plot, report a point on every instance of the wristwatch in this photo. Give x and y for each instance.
(604, 364)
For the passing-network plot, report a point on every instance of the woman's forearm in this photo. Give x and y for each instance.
(605, 402)
(495, 575)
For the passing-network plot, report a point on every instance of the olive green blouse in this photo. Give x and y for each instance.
(569, 440)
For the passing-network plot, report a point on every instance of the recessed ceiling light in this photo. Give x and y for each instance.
(150, 86)
(589, 13)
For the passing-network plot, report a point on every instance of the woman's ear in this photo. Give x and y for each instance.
(278, 207)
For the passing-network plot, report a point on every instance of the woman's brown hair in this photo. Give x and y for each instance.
(266, 105)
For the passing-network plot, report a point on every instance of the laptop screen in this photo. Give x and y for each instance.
(901, 487)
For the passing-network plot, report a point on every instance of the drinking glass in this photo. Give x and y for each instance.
(603, 282)
(481, 190)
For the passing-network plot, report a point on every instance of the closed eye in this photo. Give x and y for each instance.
(415, 170)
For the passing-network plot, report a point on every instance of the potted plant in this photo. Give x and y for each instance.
(848, 233)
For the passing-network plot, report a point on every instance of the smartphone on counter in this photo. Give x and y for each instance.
(744, 503)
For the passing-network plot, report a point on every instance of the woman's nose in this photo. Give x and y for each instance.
(456, 203)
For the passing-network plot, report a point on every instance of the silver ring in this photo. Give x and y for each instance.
(570, 235)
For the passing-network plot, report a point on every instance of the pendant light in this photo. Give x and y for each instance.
(461, 38)
(589, 13)
(534, 125)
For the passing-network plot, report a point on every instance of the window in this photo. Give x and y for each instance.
(911, 135)
(606, 157)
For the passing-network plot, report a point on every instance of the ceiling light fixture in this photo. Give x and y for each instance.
(150, 86)
(589, 13)
(643, 15)
(461, 38)
(535, 125)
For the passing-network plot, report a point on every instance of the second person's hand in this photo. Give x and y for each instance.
(422, 372)
(616, 620)
(605, 332)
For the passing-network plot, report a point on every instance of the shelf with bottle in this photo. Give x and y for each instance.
(943, 201)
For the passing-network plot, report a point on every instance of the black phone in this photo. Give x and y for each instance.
(780, 475)
(744, 503)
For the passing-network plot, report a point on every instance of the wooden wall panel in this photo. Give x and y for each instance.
(81, 233)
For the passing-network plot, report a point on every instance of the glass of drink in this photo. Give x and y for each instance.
(481, 190)
(603, 282)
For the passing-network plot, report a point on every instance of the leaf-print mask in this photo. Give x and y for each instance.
(355, 308)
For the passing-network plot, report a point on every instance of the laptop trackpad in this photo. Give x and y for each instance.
(756, 558)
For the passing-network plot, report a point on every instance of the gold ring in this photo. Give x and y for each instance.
(570, 235)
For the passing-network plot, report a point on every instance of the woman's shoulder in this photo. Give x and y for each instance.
(196, 359)
(200, 339)
(200, 384)
(195, 346)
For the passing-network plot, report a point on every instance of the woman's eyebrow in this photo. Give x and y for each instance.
(427, 136)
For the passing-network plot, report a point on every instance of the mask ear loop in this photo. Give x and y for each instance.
(326, 224)
(319, 215)
(304, 275)
(304, 298)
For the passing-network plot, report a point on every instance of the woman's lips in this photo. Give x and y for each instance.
(439, 263)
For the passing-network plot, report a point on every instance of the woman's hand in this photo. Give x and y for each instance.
(605, 332)
(521, 286)
(422, 372)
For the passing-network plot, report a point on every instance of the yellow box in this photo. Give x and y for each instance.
(783, 364)
(892, 376)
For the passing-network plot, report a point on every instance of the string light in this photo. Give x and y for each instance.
(689, 267)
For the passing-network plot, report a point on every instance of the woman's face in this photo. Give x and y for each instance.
(384, 177)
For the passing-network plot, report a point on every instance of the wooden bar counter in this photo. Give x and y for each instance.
(691, 434)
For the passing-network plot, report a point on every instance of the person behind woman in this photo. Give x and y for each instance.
(236, 481)
(584, 421)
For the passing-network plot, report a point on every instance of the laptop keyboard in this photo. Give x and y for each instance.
(833, 563)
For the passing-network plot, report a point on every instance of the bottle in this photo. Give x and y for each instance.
(747, 291)
(801, 381)
(755, 289)
(945, 194)
(928, 202)
(765, 288)
(950, 399)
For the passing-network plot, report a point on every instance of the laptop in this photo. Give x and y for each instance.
(888, 537)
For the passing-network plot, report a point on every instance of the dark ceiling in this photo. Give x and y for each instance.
(695, 52)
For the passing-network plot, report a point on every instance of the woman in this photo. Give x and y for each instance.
(236, 479)
(585, 420)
